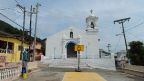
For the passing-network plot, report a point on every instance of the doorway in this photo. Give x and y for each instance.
(70, 50)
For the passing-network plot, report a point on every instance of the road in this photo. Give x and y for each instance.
(57, 74)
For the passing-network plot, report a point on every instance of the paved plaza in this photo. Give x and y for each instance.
(57, 74)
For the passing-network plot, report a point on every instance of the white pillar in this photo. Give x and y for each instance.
(64, 51)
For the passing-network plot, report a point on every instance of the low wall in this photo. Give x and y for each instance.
(102, 63)
(8, 74)
(32, 65)
(134, 69)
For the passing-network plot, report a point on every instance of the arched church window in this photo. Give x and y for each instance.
(71, 34)
(92, 25)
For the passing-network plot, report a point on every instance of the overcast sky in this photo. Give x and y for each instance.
(56, 15)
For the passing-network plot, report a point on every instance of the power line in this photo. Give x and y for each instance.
(117, 43)
(10, 20)
(16, 1)
(4, 8)
(132, 35)
(134, 26)
(135, 36)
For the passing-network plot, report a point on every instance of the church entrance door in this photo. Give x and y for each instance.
(70, 50)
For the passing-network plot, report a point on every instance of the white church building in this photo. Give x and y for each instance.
(60, 48)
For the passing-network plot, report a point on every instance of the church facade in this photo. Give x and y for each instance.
(60, 46)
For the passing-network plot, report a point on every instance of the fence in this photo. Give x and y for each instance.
(9, 73)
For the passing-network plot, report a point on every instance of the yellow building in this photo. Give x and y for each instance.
(10, 47)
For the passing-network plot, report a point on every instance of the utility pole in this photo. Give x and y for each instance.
(24, 63)
(121, 21)
(108, 46)
(35, 32)
(24, 11)
(30, 29)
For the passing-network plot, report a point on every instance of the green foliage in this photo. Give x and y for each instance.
(136, 53)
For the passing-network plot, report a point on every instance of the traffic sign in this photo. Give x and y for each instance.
(79, 47)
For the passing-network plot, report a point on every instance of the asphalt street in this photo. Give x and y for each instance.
(57, 74)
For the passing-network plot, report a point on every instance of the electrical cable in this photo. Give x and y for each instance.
(16, 1)
(134, 26)
(11, 20)
(117, 44)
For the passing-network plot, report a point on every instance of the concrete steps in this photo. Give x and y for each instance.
(68, 63)
(103, 63)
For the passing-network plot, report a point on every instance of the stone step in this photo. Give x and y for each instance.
(67, 63)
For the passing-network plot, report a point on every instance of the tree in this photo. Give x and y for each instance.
(136, 53)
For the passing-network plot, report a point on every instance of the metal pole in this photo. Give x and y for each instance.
(24, 63)
(34, 50)
(86, 53)
(22, 48)
(78, 67)
(54, 52)
(78, 61)
(30, 31)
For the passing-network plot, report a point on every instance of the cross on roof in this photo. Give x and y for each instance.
(91, 11)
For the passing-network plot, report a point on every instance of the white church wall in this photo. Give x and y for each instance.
(54, 48)
(56, 51)
(82, 41)
(92, 45)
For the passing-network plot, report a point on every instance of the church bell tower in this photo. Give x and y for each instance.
(92, 36)
(91, 22)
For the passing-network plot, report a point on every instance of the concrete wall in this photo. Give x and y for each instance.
(134, 68)
(9, 74)
(108, 64)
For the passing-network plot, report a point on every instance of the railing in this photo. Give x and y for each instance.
(2, 50)
(9, 73)
(6, 51)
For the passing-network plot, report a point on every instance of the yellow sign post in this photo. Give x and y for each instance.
(79, 48)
